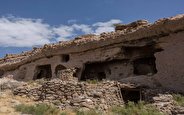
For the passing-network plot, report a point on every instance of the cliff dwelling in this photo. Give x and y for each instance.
(140, 52)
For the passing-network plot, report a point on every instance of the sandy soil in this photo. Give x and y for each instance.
(8, 101)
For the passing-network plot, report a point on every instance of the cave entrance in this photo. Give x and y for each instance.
(43, 71)
(1, 73)
(65, 58)
(58, 69)
(133, 95)
(94, 71)
(145, 66)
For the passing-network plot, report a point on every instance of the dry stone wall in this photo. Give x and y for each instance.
(72, 94)
(67, 74)
(163, 100)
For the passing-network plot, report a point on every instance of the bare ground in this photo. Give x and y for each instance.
(8, 101)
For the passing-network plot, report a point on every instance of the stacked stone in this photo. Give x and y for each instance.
(67, 74)
(73, 94)
(105, 94)
(163, 101)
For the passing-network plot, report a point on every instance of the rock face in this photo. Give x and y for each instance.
(72, 94)
(140, 53)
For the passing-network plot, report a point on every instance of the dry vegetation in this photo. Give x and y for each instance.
(179, 99)
(131, 108)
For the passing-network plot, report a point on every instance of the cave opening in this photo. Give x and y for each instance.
(43, 71)
(103, 70)
(1, 73)
(133, 95)
(145, 66)
(58, 69)
(94, 71)
(65, 58)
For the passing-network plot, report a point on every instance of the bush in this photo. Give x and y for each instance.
(179, 99)
(39, 109)
(130, 109)
(63, 113)
(135, 109)
(93, 81)
(89, 112)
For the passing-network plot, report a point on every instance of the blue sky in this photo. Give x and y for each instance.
(27, 23)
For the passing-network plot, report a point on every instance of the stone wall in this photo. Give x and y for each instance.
(72, 94)
(163, 100)
(67, 74)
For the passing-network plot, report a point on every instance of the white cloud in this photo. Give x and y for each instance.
(108, 23)
(66, 32)
(105, 26)
(63, 32)
(22, 32)
(82, 27)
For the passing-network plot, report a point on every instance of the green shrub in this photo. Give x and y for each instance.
(80, 113)
(89, 112)
(63, 113)
(135, 109)
(93, 81)
(39, 109)
(179, 99)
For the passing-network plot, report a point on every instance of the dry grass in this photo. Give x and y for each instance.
(179, 99)
(8, 100)
(135, 109)
(38, 109)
